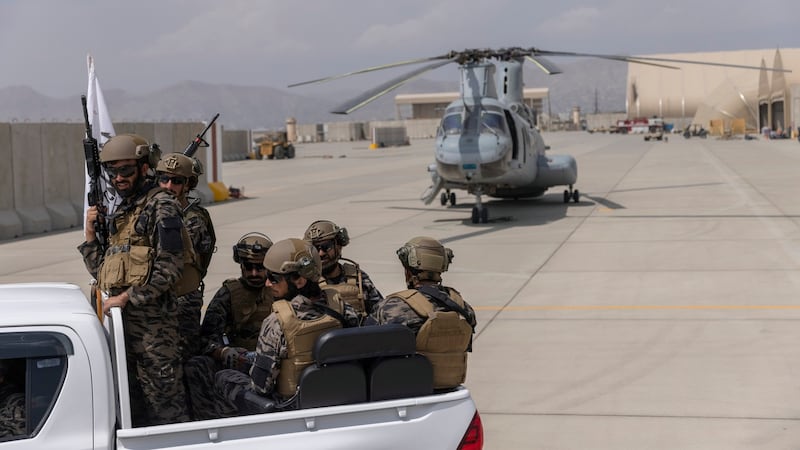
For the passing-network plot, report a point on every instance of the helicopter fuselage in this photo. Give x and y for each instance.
(488, 143)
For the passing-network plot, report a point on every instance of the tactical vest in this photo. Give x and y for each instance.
(350, 290)
(443, 338)
(249, 308)
(300, 337)
(203, 258)
(129, 257)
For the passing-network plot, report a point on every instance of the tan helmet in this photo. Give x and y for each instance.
(323, 230)
(178, 164)
(252, 247)
(294, 255)
(425, 254)
(124, 146)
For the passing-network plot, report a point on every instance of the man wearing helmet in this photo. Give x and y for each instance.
(341, 274)
(302, 311)
(230, 328)
(442, 321)
(176, 173)
(140, 271)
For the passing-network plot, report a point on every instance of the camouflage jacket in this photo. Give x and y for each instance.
(219, 319)
(201, 230)
(272, 346)
(395, 310)
(371, 294)
(158, 214)
(12, 411)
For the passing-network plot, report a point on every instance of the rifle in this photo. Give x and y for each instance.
(95, 195)
(198, 140)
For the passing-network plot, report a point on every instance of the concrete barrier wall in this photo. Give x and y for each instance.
(238, 144)
(27, 161)
(10, 223)
(42, 185)
(63, 165)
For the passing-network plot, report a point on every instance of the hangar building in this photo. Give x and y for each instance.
(701, 93)
(432, 106)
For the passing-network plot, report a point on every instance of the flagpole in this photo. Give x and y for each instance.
(102, 129)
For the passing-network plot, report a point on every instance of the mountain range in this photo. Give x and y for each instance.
(594, 85)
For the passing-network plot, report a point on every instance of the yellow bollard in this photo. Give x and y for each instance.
(219, 190)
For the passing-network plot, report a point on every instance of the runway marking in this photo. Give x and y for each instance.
(633, 307)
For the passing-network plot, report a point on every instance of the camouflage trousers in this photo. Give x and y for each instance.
(12, 414)
(155, 372)
(189, 307)
(236, 388)
(204, 401)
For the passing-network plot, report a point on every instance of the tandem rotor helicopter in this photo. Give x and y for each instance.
(487, 142)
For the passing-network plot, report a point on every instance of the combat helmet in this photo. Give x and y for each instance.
(252, 247)
(294, 255)
(426, 257)
(178, 164)
(323, 230)
(125, 146)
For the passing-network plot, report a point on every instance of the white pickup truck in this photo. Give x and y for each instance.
(72, 370)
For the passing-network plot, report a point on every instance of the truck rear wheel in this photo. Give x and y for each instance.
(279, 152)
(290, 151)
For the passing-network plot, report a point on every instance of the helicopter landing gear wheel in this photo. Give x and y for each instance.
(570, 194)
(480, 214)
(443, 199)
(452, 199)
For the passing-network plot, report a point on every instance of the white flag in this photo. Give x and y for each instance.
(102, 129)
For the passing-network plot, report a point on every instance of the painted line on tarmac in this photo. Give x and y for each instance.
(633, 307)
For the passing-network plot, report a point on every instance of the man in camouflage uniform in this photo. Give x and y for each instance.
(440, 318)
(342, 274)
(229, 332)
(302, 311)
(178, 173)
(140, 271)
(12, 405)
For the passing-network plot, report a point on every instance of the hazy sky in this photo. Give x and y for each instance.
(143, 45)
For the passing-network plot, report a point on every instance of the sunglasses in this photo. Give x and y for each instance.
(275, 278)
(325, 246)
(248, 266)
(164, 179)
(122, 171)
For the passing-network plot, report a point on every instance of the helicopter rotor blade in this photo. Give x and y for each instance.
(372, 94)
(546, 65)
(372, 69)
(641, 59)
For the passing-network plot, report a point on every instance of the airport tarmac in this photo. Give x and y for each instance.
(659, 312)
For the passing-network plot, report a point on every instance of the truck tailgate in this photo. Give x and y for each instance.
(431, 422)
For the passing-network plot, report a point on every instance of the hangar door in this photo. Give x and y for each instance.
(763, 115)
(777, 115)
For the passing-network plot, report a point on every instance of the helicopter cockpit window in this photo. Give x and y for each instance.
(492, 123)
(452, 124)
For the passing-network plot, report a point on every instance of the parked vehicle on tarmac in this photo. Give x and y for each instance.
(72, 372)
(275, 145)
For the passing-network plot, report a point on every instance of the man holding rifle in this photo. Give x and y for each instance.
(178, 173)
(139, 268)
